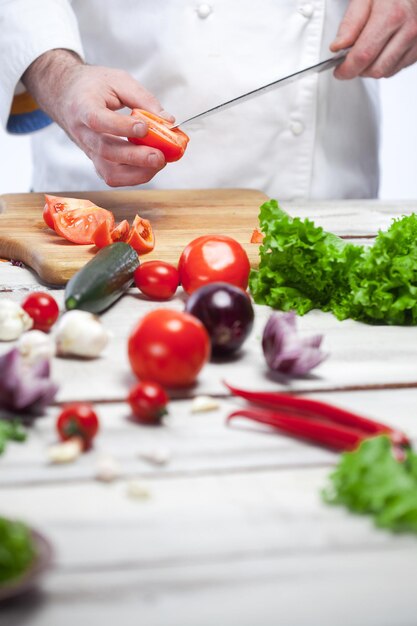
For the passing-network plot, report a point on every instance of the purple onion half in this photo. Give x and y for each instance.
(285, 351)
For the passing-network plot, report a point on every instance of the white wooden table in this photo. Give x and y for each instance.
(234, 531)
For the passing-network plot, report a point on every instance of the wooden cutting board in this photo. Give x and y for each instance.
(177, 217)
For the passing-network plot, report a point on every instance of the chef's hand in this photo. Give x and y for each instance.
(83, 100)
(383, 36)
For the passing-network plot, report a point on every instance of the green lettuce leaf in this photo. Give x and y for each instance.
(370, 480)
(303, 267)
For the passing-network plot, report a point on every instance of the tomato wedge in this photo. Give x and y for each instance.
(56, 204)
(104, 235)
(79, 225)
(121, 232)
(257, 236)
(141, 236)
(172, 143)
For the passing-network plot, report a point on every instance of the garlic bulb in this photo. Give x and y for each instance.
(79, 333)
(13, 320)
(34, 345)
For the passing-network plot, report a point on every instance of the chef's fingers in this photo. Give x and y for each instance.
(102, 120)
(409, 58)
(133, 95)
(354, 21)
(122, 175)
(392, 55)
(120, 151)
(369, 45)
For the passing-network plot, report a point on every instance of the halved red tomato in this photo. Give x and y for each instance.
(56, 204)
(171, 142)
(79, 225)
(141, 236)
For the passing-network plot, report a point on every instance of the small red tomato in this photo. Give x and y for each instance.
(168, 347)
(42, 308)
(157, 279)
(148, 401)
(78, 420)
(212, 259)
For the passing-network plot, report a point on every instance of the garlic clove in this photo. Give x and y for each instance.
(137, 490)
(156, 456)
(65, 452)
(201, 404)
(107, 469)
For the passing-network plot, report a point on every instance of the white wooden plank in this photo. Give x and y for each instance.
(198, 444)
(364, 588)
(194, 519)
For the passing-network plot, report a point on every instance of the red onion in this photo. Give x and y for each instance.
(285, 351)
(25, 388)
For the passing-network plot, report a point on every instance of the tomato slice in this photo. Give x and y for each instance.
(141, 236)
(172, 143)
(79, 225)
(56, 204)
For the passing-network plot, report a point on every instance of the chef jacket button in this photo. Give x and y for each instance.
(204, 10)
(306, 10)
(297, 128)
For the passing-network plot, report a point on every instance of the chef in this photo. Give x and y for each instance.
(71, 72)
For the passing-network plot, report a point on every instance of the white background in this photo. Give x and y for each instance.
(398, 150)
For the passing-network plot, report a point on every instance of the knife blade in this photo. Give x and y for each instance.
(327, 64)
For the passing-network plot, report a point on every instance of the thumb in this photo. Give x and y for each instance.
(134, 95)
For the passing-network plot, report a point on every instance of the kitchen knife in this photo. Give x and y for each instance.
(333, 61)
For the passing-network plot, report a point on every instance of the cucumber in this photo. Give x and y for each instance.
(103, 280)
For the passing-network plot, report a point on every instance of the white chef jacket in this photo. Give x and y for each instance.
(316, 138)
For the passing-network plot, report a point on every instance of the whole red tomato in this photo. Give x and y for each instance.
(213, 258)
(148, 401)
(78, 420)
(42, 308)
(168, 347)
(157, 279)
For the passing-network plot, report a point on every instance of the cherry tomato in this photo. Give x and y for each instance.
(168, 347)
(148, 401)
(56, 204)
(157, 279)
(79, 225)
(213, 258)
(78, 420)
(172, 143)
(42, 308)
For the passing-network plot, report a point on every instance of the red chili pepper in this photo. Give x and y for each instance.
(323, 433)
(309, 409)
